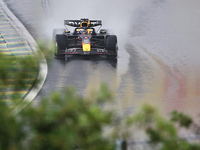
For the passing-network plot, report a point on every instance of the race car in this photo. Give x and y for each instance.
(84, 40)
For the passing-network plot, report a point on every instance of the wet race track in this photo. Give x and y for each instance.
(159, 51)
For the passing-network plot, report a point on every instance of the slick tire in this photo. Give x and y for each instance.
(111, 45)
(60, 44)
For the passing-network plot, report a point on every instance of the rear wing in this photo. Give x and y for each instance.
(83, 23)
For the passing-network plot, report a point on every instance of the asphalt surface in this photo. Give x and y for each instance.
(158, 59)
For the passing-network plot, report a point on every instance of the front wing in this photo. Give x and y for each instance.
(79, 51)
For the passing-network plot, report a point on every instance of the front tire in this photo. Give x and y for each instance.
(60, 44)
(111, 46)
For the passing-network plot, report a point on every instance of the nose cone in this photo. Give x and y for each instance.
(86, 47)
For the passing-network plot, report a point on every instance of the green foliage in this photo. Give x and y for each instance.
(17, 74)
(11, 131)
(59, 122)
(20, 68)
(161, 132)
(182, 119)
(68, 121)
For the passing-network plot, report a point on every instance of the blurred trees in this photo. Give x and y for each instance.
(17, 74)
(63, 122)
(11, 129)
(60, 122)
(68, 122)
(163, 134)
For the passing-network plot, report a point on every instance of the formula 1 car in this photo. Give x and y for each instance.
(84, 40)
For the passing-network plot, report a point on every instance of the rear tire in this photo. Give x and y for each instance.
(60, 44)
(111, 46)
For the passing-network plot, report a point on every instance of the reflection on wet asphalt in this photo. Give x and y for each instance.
(158, 57)
(77, 71)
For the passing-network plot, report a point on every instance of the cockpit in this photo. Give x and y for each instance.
(84, 31)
